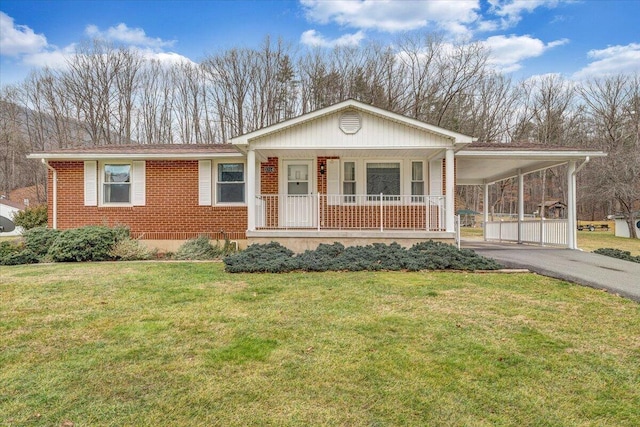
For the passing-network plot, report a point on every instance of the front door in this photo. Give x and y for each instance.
(299, 202)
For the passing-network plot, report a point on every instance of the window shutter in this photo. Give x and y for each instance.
(91, 183)
(333, 181)
(435, 174)
(204, 182)
(138, 190)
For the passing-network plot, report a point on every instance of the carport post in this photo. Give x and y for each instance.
(485, 211)
(571, 206)
(520, 204)
(251, 190)
(450, 188)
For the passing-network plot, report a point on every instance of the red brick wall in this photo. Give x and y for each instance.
(171, 210)
(269, 180)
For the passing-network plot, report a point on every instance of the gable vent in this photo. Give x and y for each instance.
(350, 122)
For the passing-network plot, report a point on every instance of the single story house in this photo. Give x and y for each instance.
(348, 172)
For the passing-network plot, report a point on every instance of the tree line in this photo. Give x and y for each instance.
(111, 94)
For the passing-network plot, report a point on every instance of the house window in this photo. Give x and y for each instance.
(230, 187)
(417, 181)
(383, 178)
(349, 182)
(117, 183)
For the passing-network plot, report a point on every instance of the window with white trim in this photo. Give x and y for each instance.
(116, 183)
(230, 187)
(417, 181)
(383, 178)
(349, 182)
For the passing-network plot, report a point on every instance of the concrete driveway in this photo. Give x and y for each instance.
(585, 268)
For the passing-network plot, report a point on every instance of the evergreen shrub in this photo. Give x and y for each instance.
(131, 250)
(199, 248)
(31, 217)
(40, 239)
(91, 243)
(430, 255)
(269, 258)
(617, 253)
(25, 256)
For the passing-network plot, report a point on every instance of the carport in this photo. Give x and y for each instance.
(486, 164)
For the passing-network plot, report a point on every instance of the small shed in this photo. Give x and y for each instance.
(553, 209)
(8, 209)
(622, 229)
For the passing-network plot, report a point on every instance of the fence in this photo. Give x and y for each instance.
(544, 231)
(350, 212)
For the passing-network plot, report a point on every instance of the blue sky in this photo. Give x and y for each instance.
(576, 38)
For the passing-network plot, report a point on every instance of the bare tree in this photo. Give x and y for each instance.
(612, 105)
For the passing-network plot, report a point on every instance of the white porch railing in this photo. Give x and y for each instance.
(543, 231)
(350, 212)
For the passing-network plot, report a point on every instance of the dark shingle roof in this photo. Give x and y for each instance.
(148, 149)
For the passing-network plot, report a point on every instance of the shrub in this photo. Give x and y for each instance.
(130, 250)
(31, 217)
(199, 248)
(24, 256)
(8, 249)
(269, 258)
(617, 253)
(39, 239)
(92, 243)
(274, 258)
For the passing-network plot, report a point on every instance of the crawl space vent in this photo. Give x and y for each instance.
(350, 122)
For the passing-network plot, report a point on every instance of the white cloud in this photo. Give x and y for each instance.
(612, 60)
(168, 58)
(392, 16)
(507, 52)
(18, 39)
(313, 38)
(510, 11)
(54, 58)
(128, 36)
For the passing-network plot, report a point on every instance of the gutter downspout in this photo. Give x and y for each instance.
(583, 164)
(55, 193)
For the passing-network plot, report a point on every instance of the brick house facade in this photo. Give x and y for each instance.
(349, 172)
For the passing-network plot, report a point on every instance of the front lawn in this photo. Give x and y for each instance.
(152, 343)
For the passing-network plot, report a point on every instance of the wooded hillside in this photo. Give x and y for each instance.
(112, 95)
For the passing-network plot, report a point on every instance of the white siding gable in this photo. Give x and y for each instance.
(375, 132)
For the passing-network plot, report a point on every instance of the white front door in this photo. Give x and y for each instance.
(299, 202)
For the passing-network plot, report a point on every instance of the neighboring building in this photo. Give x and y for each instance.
(8, 209)
(349, 172)
(622, 229)
(553, 209)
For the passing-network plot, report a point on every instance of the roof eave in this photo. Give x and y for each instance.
(132, 156)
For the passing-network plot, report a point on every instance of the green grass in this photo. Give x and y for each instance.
(154, 343)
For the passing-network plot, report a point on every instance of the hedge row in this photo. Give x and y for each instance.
(429, 255)
(617, 253)
(96, 243)
(92, 243)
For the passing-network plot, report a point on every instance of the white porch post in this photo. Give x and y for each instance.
(450, 190)
(572, 235)
(520, 204)
(485, 211)
(251, 190)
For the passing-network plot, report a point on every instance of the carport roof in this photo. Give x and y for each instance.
(486, 163)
